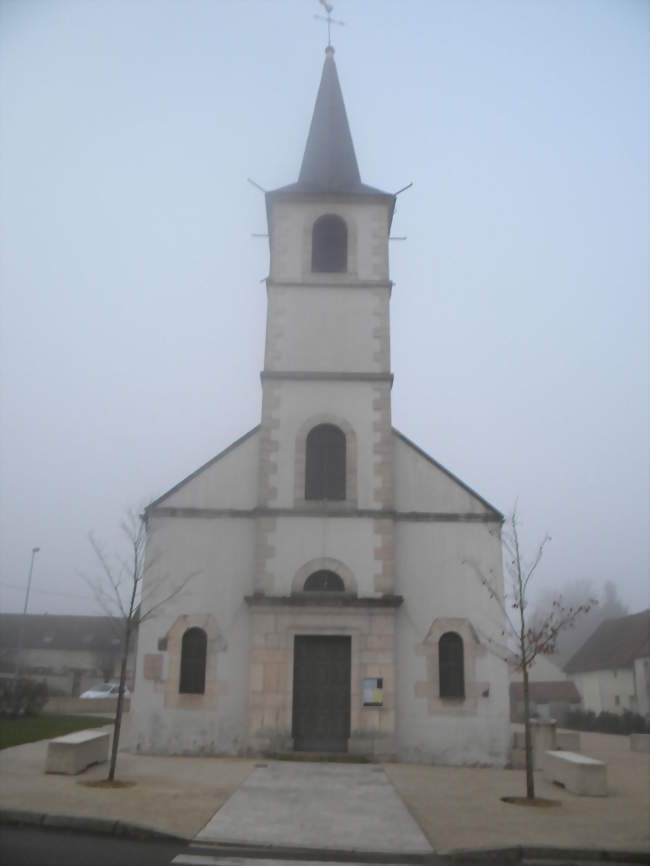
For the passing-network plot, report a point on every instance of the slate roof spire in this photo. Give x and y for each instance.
(329, 163)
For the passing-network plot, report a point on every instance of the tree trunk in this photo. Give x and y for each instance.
(530, 778)
(120, 702)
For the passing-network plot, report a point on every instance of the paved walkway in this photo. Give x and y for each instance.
(327, 806)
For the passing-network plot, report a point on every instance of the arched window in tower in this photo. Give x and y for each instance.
(324, 581)
(451, 665)
(325, 468)
(329, 245)
(193, 655)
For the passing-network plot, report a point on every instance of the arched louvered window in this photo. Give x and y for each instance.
(193, 654)
(451, 665)
(325, 469)
(329, 245)
(324, 581)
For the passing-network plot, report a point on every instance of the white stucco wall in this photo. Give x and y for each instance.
(328, 329)
(290, 229)
(420, 485)
(227, 482)
(299, 540)
(222, 552)
(599, 690)
(436, 577)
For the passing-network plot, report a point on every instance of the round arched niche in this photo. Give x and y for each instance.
(324, 576)
(324, 580)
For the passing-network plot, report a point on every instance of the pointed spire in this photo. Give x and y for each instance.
(329, 163)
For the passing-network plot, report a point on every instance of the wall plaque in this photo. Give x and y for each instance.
(373, 692)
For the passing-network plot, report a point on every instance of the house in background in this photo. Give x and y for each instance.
(69, 653)
(552, 694)
(612, 668)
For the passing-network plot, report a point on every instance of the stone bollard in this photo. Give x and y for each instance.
(640, 742)
(543, 733)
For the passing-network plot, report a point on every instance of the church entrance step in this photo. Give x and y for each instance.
(330, 757)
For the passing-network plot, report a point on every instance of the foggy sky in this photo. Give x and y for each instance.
(133, 310)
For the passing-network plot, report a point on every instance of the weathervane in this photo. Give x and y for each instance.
(329, 9)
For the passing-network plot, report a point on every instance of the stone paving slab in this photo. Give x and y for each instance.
(350, 807)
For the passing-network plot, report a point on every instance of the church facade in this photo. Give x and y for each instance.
(334, 604)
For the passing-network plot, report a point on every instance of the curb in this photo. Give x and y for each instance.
(515, 854)
(320, 855)
(518, 853)
(125, 830)
(82, 824)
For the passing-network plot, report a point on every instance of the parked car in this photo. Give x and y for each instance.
(105, 690)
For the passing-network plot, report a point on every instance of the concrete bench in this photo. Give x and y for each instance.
(578, 773)
(640, 742)
(73, 753)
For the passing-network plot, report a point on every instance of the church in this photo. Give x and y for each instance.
(333, 603)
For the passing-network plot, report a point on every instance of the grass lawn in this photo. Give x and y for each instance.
(28, 729)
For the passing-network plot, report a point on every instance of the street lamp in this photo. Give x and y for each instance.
(21, 635)
(35, 550)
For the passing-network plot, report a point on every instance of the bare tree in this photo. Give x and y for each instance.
(522, 639)
(610, 606)
(119, 591)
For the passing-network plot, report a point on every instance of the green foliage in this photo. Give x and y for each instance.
(28, 729)
(608, 723)
(22, 697)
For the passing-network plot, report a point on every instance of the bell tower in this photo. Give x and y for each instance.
(325, 466)
(328, 336)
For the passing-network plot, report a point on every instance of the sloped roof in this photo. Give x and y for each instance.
(614, 644)
(546, 693)
(45, 631)
(329, 163)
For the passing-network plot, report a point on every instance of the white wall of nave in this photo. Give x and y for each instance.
(220, 555)
(436, 574)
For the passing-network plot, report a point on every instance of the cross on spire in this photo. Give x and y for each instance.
(329, 9)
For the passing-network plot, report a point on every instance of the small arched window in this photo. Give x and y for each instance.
(193, 653)
(451, 665)
(324, 581)
(329, 245)
(325, 467)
